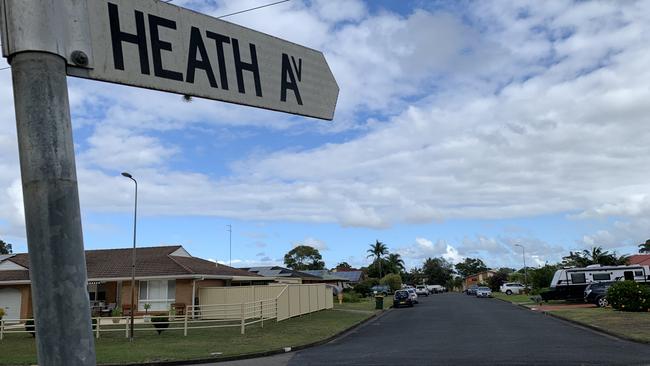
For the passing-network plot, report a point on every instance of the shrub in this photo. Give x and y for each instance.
(362, 289)
(351, 297)
(160, 323)
(392, 280)
(629, 296)
(116, 312)
(2, 313)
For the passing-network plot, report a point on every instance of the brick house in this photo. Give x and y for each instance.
(478, 278)
(164, 276)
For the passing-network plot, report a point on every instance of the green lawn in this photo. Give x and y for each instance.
(631, 325)
(200, 343)
(367, 303)
(515, 299)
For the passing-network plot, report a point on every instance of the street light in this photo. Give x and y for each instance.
(523, 254)
(135, 220)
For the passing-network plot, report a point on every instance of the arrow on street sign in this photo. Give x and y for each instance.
(155, 45)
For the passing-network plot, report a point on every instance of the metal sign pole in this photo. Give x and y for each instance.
(52, 216)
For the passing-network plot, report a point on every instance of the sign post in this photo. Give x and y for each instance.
(148, 44)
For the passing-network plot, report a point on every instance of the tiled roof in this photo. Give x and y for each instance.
(277, 271)
(150, 262)
(326, 275)
(352, 276)
(642, 259)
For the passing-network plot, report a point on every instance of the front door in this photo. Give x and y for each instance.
(10, 302)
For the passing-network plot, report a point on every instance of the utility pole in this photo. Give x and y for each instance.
(57, 262)
(230, 243)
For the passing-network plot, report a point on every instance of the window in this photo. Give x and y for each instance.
(638, 273)
(578, 278)
(159, 293)
(601, 277)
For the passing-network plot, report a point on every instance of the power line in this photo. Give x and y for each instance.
(255, 8)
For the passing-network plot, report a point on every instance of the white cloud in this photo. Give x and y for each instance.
(312, 242)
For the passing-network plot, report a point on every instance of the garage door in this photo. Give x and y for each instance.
(10, 302)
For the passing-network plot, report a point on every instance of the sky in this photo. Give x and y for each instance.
(462, 129)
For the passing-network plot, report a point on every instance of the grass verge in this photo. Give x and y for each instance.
(366, 303)
(515, 299)
(635, 326)
(19, 349)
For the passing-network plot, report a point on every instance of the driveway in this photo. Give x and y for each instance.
(455, 329)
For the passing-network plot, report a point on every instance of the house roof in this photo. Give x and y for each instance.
(352, 276)
(277, 271)
(326, 275)
(163, 261)
(642, 259)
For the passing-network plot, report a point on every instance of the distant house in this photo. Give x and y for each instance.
(332, 278)
(353, 277)
(478, 278)
(283, 275)
(164, 276)
(640, 259)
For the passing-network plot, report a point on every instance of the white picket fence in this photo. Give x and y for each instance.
(240, 307)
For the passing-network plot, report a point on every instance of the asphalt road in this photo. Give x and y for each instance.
(455, 329)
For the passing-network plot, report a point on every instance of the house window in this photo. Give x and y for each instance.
(578, 278)
(160, 294)
(638, 273)
(601, 277)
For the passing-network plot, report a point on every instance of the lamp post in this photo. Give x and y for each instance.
(523, 255)
(135, 220)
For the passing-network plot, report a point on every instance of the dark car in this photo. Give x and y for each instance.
(471, 290)
(402, 298)
(596, 293)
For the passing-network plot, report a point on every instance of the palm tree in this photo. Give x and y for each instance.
(395, 263)
(597, 255)
(378, 250)
(645, 247)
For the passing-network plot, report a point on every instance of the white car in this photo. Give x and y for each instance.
(510, 288)
(483, 292)
(421, 290)
(414, 295)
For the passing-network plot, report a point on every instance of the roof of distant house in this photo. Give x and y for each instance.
(277, 271)
(163, 261)
(352, 276)
(326, 275)
(642, 259)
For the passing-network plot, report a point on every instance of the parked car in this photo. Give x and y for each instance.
(471, 290)
(421, 290)
(380, 289)
(510, 288)
(432, 289)
(402, 298)
(596, 293)
(414, 295)
(483, 292)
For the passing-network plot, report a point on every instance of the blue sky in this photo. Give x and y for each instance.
(462, 129)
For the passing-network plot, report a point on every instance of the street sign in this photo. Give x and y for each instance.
(155, 45)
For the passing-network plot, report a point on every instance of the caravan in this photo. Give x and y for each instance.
(570, 283)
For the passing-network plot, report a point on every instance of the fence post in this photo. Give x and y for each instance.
(97, 327)
(185, 322)
(127, 327)
(2, 329)
(243, 321)
(262, 312)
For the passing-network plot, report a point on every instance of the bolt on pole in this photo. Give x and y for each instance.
(52, 215)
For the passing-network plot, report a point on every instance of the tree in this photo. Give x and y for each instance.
(394, 263)
(594, 256)
(392, 280)
(5, 248)
(438, 271)
(644, 247)
(499, 278)
(343, 266)
(541, 277)
(378, 250)
(304, 257)
(470, 266)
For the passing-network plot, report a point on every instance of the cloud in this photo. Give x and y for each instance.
(312, 242)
